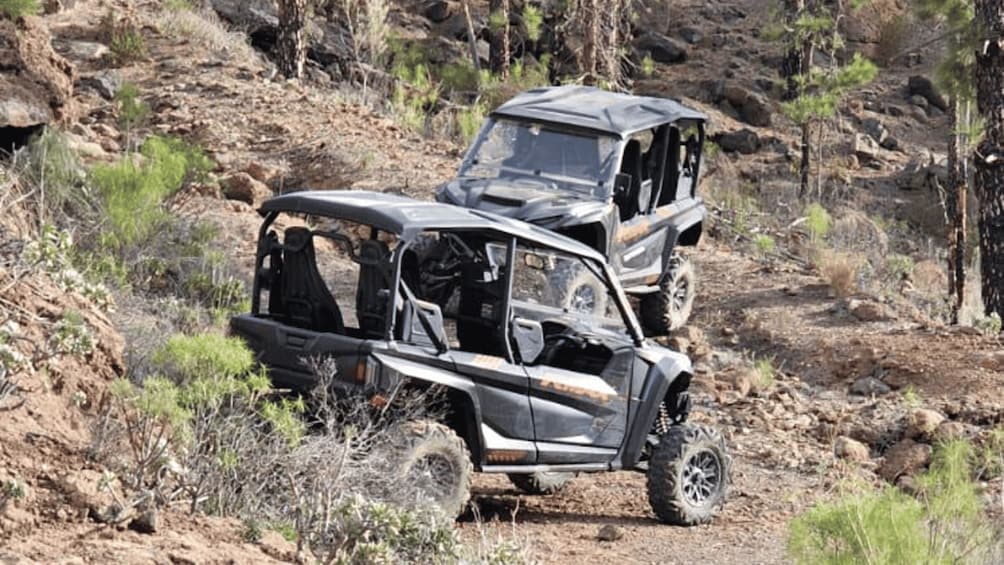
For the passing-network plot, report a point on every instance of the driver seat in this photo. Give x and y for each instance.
(631, 165)
(371, 296)
(304, 297)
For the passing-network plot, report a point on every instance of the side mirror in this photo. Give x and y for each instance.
(529, 338)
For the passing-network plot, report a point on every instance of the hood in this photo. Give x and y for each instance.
(539, 201)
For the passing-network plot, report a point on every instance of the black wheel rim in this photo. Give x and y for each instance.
(583, 299)
(434, 475)
(702, 477)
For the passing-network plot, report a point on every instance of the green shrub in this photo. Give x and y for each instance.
(132, 192)
(533, 22)
(54, 165)
(14, 9)
(71, 335)
(818, 222)
(648, 70)
(376, 532)
(469, 122)
(125, 41)
(132, 110)
(945, 524)
(205, 356)
(765, 244)
(989, 325)
(765, 374)
(899, 266)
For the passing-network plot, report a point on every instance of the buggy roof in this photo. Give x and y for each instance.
(408, 217)
(596, 109)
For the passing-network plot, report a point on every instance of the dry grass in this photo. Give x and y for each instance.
(840, 269)
(204, 27)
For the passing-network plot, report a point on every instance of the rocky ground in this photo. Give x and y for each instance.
(862, 385)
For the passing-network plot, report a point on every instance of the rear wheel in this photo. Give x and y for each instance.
(434, 460)
(670, 307)
(543, 482)
(688, 475)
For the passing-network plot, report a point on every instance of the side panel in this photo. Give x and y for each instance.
(288, 351)
(642, 245)
(577, 414)
(502, 390)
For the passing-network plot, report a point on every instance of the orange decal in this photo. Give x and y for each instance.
(577, 391)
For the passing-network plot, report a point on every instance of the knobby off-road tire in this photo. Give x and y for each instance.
(688, 475)
(670, 307)
(575, 289)
(541, 482)
(433, 459)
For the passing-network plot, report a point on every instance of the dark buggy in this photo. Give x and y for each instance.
(533, 389)
(614, 171)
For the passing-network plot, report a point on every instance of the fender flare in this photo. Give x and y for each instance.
(660, 379)
(396, 369)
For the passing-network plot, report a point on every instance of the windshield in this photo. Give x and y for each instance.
(535, 149)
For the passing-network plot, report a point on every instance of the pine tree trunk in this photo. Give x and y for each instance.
(611, 58)
(955, 212)
(791, 65)
(989, 158)
(803, 189)
(592, 37)
(291, 52)
(499, 38)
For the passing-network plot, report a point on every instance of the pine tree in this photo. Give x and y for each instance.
(291, 52)
(989, 155)
(955, 76)
(819, 90)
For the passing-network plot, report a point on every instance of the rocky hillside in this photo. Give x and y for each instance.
(820, 366)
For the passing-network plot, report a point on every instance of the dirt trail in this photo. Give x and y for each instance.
(781, 439)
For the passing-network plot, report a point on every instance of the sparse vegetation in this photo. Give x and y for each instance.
(944, 524)
(71, 335)
(123, 36)
(840, 270)
(14, 9)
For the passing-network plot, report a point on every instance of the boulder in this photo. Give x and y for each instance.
(875, 128)
(752, 107)
(851, 449)
(105, 83)
(661, 48)
(870, 386)
(691, 35)
(868, 310)
(438, 11)
(924, 87)
(745, 141)
(36, 84)
(610, 532)
(865, 148)
(923, 423)
(243, 187)
(905, 458)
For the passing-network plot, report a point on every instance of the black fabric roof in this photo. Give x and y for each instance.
(596, 109)
(408, 217)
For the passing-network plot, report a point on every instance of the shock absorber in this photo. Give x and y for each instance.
(664, 421)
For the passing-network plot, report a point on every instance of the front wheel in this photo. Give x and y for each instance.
(576, 289)
(434, 460)
(670, 307)
(542, 482)
(688, 475)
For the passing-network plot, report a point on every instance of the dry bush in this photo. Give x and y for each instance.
(204, 28)
(895, 35)
(840, 269)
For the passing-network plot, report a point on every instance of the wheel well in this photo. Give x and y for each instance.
(461, 418)
(677, 399)
(690, 236)
(592, 235)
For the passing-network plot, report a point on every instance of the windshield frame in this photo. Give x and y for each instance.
(601, 186)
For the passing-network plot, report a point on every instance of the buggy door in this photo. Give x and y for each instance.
(579, 384)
